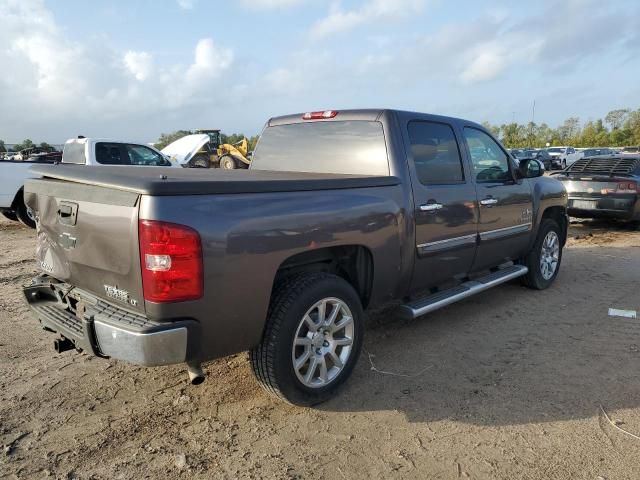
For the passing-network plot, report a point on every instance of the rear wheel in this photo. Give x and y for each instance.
(10, 215)
(543, 260)
(25, 214)
(312, 339)
(227, 162)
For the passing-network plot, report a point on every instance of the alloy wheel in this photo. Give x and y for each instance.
(323, 342)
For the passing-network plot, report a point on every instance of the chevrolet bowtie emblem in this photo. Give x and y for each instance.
(66, 241)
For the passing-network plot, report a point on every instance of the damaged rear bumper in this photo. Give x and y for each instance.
(107, 330)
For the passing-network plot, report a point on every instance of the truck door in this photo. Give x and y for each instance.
(445, 205)
(505, 202)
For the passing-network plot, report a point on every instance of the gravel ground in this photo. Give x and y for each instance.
(511, 383)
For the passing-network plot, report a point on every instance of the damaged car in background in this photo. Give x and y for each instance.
(604, 187)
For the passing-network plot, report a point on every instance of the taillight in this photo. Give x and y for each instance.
(319, 115)
(171, 262)
(627, 187)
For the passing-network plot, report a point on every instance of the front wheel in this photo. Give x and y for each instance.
(25, 214)
(543, 260)
(227, 162)
(312, 339)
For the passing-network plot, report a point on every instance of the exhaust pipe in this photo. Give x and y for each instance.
(196, 374)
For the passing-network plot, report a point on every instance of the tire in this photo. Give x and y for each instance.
(9, 215)
(24, 214)
(200, 161)
(538, 277)
(294, 307)
(227, 162)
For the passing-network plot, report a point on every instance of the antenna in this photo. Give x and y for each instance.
(533, 112)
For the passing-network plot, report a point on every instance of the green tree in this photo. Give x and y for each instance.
(632, 124)
(569, 130)
(514, 135)
(25, 144)
(3, 147)
(493, 129)
(253, 141)
(616, 118)
(167, 138)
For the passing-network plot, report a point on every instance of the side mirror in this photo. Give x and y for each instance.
(530, 168)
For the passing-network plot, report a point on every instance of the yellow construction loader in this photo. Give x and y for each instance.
(222, 155)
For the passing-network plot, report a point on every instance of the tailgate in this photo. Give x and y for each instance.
(88, 237)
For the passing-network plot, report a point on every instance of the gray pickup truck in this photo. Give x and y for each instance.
(340, 212)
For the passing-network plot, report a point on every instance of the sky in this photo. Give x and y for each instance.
(131, 70)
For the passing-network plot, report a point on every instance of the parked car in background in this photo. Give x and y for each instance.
(562, 157)
(99, 151)
(339, 211)
(627, 150)
(531, 153)
(13, 174)
(47, 153)
(81, 151)
(604, 187)
(594, 152)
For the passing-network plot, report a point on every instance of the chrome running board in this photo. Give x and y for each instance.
(447, 297)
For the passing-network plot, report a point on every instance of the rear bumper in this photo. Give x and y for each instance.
(107, 330)
(624, 208)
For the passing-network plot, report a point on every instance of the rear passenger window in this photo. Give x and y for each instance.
(110, 154)
(490, 163)
(435, 153)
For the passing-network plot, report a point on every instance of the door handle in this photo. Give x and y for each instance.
(65, 211)
(430, 207)
(488, 202)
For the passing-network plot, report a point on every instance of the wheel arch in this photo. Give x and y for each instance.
(559, 215)
(353, 263)
(19, 197)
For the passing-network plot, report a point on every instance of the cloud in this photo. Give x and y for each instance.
(270, 4)
(486, 66)
(53, 77)
(339, 20)
(139, 64)
(209, 62)
(186, 4)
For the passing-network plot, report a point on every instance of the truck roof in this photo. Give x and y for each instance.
(365, 114)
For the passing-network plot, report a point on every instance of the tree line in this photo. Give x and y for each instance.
(164, 140)
(21, 146)
(619, 128)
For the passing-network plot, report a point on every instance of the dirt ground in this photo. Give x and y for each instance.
(508, 384)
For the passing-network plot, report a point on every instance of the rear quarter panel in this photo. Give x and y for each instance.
(246, 237)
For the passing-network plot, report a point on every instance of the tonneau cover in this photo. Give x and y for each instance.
(197, 181)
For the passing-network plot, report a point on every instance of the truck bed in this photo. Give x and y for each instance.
(161, 181)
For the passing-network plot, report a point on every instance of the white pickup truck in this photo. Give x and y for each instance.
(563, 157)
(82, 151)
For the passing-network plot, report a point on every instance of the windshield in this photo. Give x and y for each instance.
(350, 147)
(556, 150)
